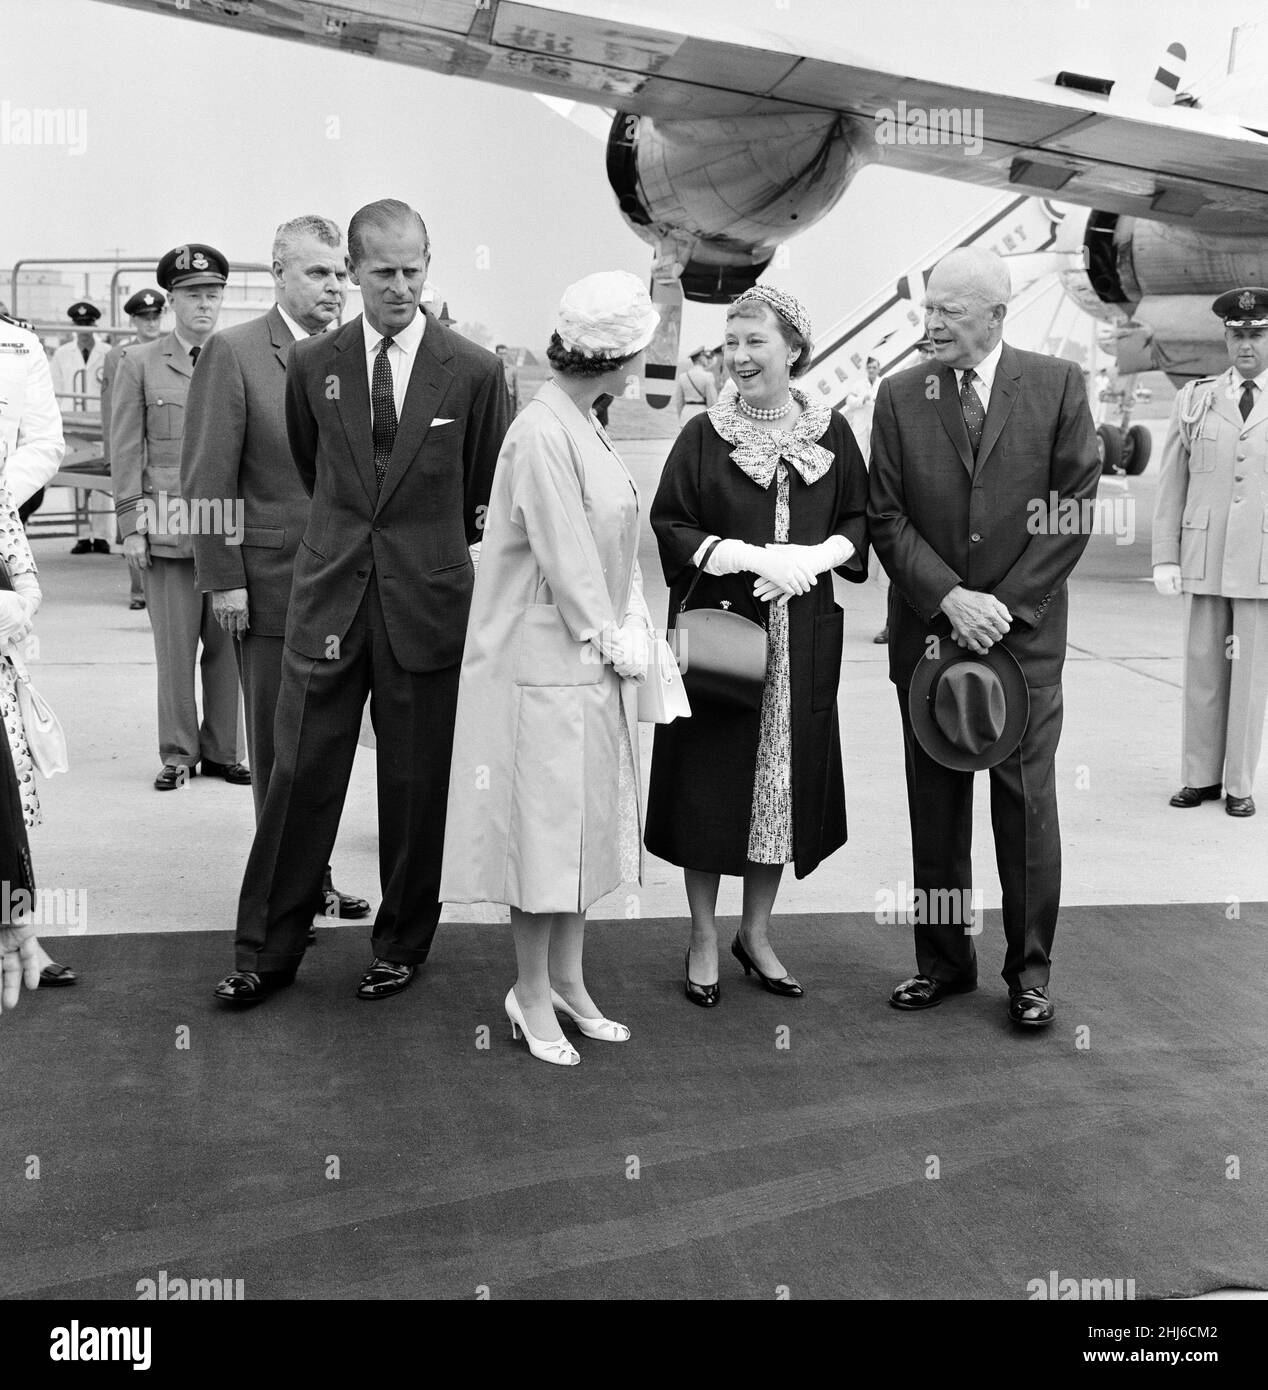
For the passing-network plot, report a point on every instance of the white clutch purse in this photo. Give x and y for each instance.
(662, 697)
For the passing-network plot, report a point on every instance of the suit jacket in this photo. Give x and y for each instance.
(1211, 514)
(1005, 524)
(147, 424)
(236, 459)
(413, 533)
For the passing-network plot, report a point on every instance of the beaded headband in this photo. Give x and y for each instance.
(784, 304)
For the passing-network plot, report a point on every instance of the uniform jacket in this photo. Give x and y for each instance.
(31, 442)
(533, 816)
(147, 423)
(76, 382)
(1211, 513)
(110, 370)
(415, 532)
(938, 518)
(236, 462)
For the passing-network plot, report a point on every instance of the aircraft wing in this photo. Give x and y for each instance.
(1166, 164)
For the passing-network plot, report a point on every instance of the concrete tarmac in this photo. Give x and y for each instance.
(140, 860)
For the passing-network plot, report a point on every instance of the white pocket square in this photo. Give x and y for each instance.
(439, 421)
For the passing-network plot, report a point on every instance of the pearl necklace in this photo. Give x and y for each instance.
(757, 413)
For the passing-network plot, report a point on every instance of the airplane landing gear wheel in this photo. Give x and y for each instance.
(1109, 445)
(1137, 445)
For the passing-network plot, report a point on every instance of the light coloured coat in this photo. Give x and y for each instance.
(534, 810)
(1211, 513)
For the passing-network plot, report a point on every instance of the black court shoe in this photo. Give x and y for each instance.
(54, 976)
(788, 987)
(707, 996)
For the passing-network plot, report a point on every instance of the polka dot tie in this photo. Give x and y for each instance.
(384, 405)
(971, 405)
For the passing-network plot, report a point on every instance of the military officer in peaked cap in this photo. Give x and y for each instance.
(147, 424)
(1210, 542)
(145, 313)
(77, 370)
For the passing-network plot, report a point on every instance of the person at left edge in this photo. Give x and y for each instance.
(147, 423)
(395, 423)
(145, 313)
(77, 371)
(236, 465)
(31, 442)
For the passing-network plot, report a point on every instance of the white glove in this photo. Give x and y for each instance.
(1167, 580)
(627, 648)
(18, 608)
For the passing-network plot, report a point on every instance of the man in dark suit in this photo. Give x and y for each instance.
(981, 461)
(237, 471)
(395, 424)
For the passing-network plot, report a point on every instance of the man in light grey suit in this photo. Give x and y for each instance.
(1210, 541)
(236, 464)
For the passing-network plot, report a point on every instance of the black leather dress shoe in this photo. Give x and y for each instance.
(1031, 1007)
(1240, 805)
(251, 986)
(1195, 796)
(82, 547)
(920, 992)
(881, 637)
(237, 773)
(383, 979)
(53, 976)
(100, 547)
(136, 604)
(333, 903)
(173, 775)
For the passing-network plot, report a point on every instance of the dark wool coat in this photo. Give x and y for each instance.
(701, 792)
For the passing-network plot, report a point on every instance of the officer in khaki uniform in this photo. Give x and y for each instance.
(1210, 542)
(147, 424)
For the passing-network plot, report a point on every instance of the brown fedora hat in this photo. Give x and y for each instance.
(968, 711)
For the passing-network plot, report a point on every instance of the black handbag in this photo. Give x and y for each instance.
(722, 655)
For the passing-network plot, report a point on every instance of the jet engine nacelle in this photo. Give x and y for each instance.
(720, 195)
(1156, 282)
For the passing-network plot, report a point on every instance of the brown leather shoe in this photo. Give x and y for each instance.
(1188, 797)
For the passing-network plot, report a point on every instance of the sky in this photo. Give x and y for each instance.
(196, 133)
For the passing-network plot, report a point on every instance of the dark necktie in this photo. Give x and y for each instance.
(193, 354)
(1247, 402)
(85, 353)
(384, 406)
(971, 405)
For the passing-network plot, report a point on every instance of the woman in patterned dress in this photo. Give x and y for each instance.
(19, 799)
(780, 483)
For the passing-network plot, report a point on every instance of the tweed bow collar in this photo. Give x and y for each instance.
(758, 451)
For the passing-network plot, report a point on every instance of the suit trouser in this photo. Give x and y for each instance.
(315, 740)
(180, 616)
(260, 671)
(1225, 691)
(1027, 850)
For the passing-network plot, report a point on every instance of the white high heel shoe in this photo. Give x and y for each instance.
(559, 1051)
(602, 1028)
